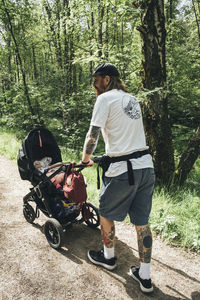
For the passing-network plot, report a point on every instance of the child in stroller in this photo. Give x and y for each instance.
(51, 186)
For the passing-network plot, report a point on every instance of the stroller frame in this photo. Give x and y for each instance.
(53, 229)
(40, 143)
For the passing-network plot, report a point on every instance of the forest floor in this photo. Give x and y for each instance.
(31, 269)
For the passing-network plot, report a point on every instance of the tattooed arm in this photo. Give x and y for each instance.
(91, 141)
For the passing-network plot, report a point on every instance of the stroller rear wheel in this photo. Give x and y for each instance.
(29, 213)
(91, 215)
(54, 233)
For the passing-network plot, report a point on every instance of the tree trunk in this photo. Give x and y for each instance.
(17, 76)
(91, 29)
(26, 92)
(188, 159)
(2, 87)
(170, 47)
(122, 50)
(9, 62)
(100, 29)
(156, 118)
(58, 12)
(66, 14)
(35, 71)
(197, 21)
(62, 12)
(54, 34)
(169, 10)
(107, 32)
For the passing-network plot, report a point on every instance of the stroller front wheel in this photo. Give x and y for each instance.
(54, 233)
(29, 213)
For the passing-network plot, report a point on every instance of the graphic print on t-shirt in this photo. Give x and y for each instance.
(131, 107)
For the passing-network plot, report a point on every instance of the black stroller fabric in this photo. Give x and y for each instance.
(39, 143)
(54, 198)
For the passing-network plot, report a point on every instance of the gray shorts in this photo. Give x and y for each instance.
(118, 198)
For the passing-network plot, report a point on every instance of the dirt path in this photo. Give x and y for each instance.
(31, 269)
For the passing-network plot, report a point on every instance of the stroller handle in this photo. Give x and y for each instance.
(62, 166)
(95, 159)
(56, 165)
(59, 164)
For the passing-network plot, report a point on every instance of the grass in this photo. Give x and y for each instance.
(175, 214)
(9, 145)
(176, 217)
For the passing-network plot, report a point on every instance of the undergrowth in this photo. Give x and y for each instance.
(176, 217)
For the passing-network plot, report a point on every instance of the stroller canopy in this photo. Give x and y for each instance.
(39, 143)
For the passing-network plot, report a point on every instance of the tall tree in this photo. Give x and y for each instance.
(157, 121)
(100, 27)
(188, 158)
(194, 3)
(11, 31)
(182, 75)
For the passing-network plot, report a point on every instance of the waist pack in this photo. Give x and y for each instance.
(74, 186)
(105, 162)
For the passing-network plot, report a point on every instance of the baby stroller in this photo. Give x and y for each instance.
(50, 197)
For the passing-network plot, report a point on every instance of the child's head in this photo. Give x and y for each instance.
(43, 163)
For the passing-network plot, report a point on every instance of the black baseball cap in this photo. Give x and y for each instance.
(106, 69)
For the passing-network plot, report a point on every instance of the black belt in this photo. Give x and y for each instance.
(105, 162)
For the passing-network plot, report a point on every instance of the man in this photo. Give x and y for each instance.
(128, 183)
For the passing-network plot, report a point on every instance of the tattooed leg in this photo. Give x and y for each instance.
(107, 232)
(144, 237)
(106, 256)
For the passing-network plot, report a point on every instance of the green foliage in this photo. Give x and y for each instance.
(183, 69)
(181, 136)
(58, 46)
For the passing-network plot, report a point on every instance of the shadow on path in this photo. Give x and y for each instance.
(80, 238)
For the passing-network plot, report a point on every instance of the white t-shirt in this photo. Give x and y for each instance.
(119, 115)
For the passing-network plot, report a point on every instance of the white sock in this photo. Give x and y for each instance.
(144, 270)
(109, 252)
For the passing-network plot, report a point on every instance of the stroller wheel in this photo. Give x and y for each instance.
(91, 215)
(29, 213)
(54, 233)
